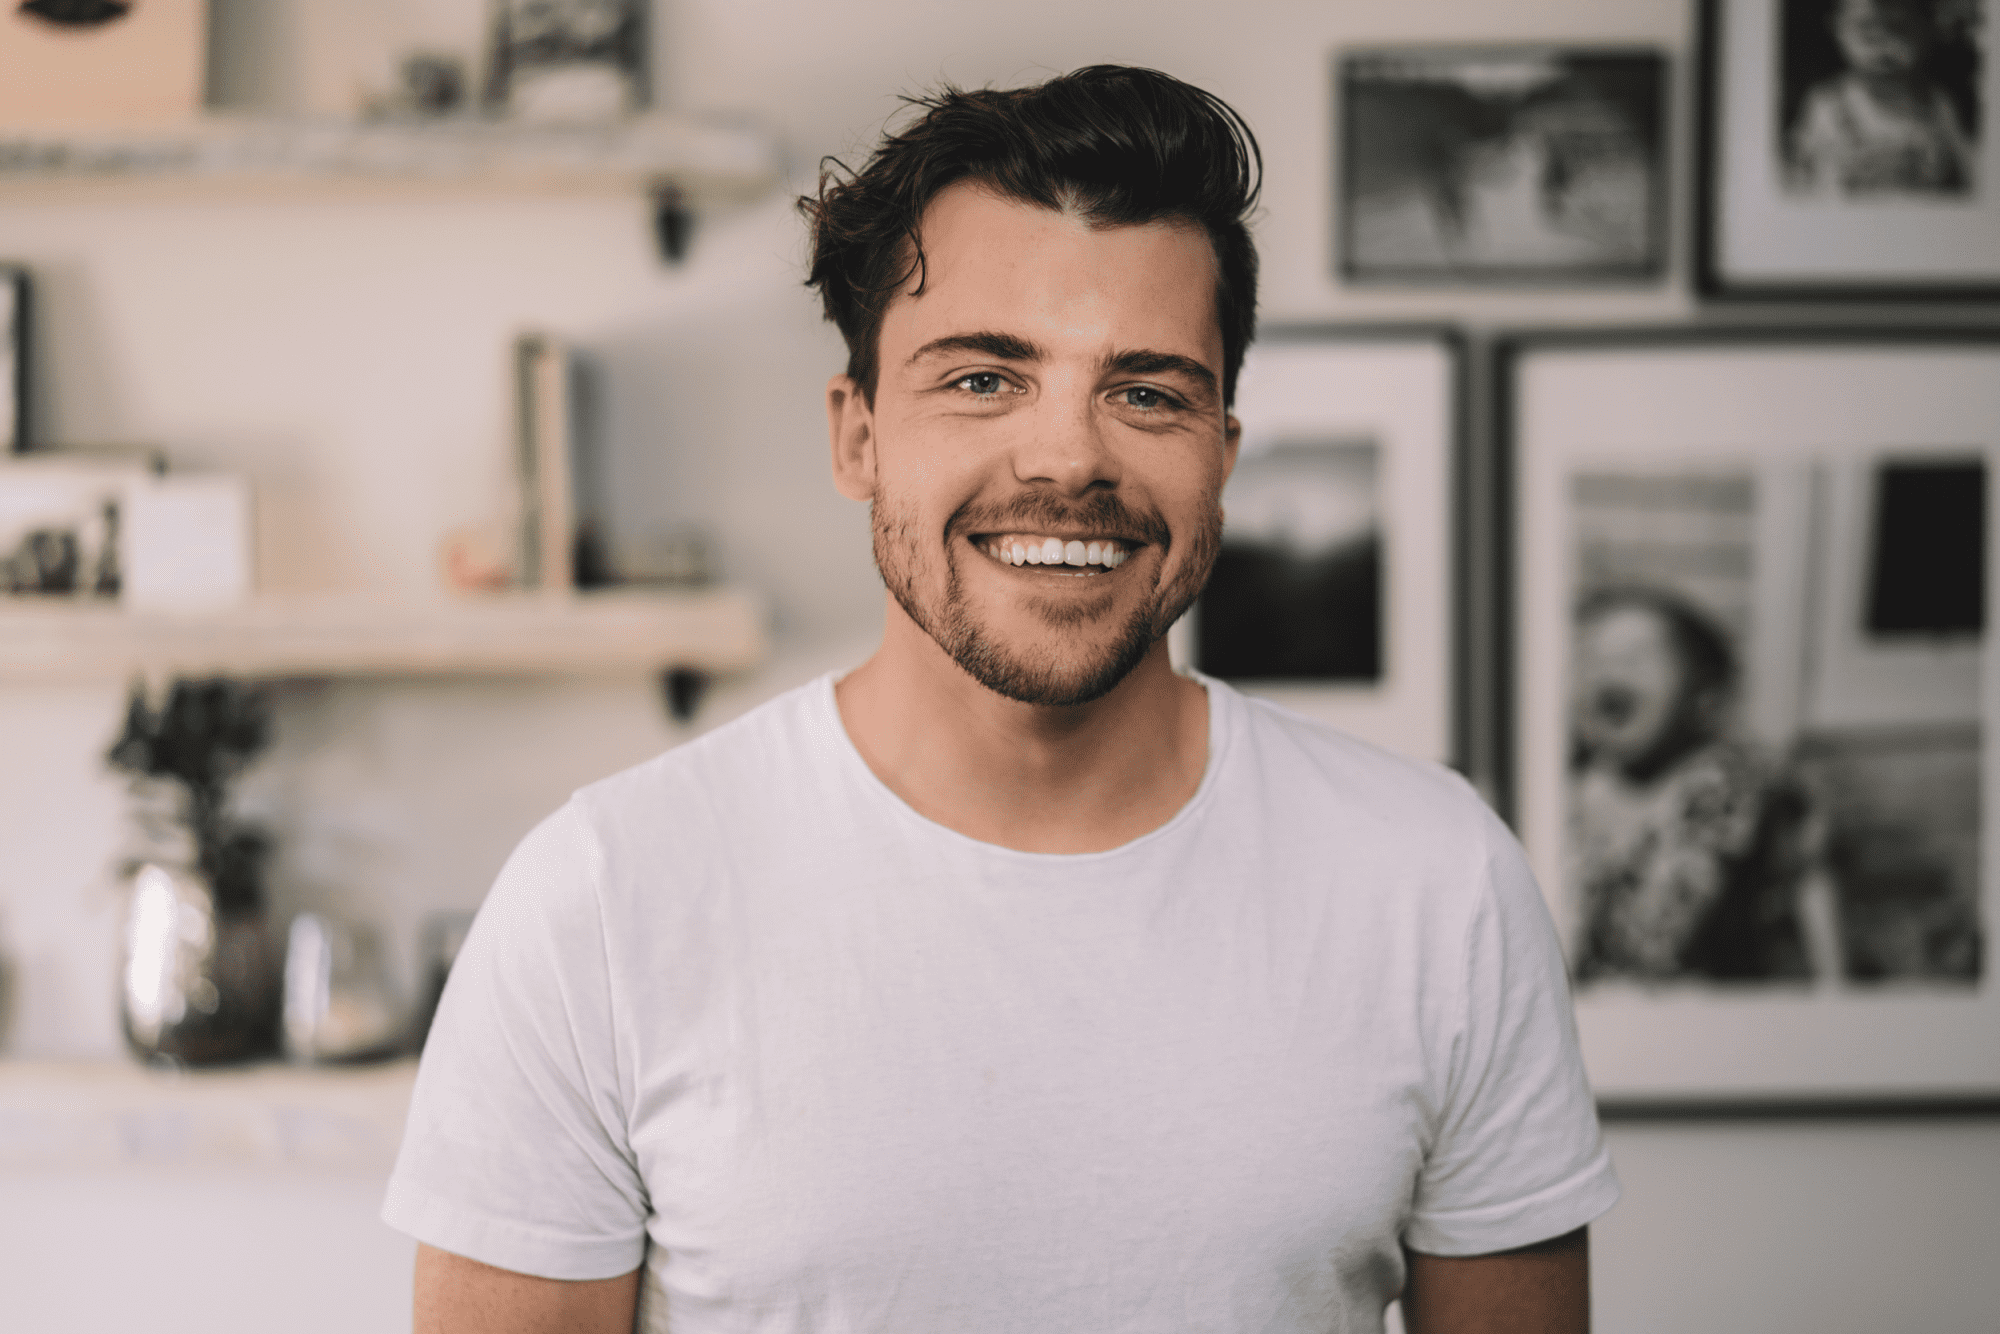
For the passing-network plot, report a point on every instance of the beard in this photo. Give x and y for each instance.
(1083, 668)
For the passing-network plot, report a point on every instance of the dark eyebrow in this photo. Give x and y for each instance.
(1143, 362)
(1001, 346)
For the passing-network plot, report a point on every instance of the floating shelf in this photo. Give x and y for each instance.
(599, 633)
(107, 1114)
(707, 163)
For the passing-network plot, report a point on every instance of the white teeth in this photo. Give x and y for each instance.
(1093, 554)
(1052, 551)
(1055, 551)
(1034, 555)
(1074, 553)
(1018, 556)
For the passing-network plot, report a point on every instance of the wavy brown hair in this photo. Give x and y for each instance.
(1117, 144)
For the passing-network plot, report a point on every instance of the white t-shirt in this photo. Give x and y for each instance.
(848, 1070)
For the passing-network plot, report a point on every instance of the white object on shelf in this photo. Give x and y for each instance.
(186, 542)
(610, 632)
(707, 163)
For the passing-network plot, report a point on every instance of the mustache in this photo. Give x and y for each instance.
(1034, 511)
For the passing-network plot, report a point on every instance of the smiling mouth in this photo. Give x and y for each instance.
(1057, 555)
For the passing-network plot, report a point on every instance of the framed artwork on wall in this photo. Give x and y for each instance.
(1334, 590)
(13, 360)
(1847, 150)
(1751, 706)
(1540, 165)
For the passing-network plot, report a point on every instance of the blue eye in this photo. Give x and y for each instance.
(983, 383)
(1144, 397)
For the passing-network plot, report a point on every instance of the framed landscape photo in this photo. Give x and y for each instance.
(1541, 165)
(1334, 593)
(1752, 707)
(1848, 150)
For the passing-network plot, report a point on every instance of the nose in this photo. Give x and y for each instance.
(1064, 446)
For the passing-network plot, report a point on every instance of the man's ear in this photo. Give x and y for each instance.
(1232, 440)
(851, 424)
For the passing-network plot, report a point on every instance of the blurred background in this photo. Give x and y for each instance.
(314, 289)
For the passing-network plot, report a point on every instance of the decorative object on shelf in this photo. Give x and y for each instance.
(187, 542)
(1753, 705)
(1329, 593)
(339, 1005)
(1846, 151)
(92, 62)
(62, 520)
(1502, 164)
(200, 980)
(568, 61)
(15, 332)
(545, 459)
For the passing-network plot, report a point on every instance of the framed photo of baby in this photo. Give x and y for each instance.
(1752, 702)
(1848, 149)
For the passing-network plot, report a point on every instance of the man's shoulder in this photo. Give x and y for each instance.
(1314, 764)
(774, 741)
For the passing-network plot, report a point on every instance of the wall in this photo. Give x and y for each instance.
(348, 353)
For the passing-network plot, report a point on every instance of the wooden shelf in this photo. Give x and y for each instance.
(708, 163)
(118, 1114)
(599, 633)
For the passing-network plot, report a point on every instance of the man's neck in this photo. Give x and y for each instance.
(1037, 778)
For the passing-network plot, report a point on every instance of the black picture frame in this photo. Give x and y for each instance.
(1577, 409)
(16, 329)
(1501, 165)
(1403, 389)
(1762, 234)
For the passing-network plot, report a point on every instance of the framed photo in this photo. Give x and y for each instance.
(62, 520)
(1333, 593)
(13, 360)
(1752, 582)
(568, 61)
(1504, 164)
(1848, 150)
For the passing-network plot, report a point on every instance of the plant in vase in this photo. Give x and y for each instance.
(199, 984)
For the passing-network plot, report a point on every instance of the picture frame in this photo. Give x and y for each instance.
(1839, 165)
(14, 349)
(1533, 165)
(1759, 805)
(1352, 449)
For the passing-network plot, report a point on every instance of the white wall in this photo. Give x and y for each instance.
(348, 353)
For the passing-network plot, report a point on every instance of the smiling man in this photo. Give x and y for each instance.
(1014, 981)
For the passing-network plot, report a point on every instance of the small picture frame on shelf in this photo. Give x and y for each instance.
(1847, 150)
(1538, 165)
(567, 62)
(1333, 593)
(1753, 709)
(62, 519)
(14, 336)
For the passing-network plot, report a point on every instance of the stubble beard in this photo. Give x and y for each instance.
(1089, 670)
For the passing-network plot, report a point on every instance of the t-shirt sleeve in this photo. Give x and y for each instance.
(1517, 1156)
(515, 1153)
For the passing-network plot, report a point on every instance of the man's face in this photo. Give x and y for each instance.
(1878, 36)
(1047, 445)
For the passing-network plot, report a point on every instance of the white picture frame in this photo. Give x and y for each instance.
(1787, 429)
(1399, 389)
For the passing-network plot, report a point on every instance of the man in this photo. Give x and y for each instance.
(1013, 981)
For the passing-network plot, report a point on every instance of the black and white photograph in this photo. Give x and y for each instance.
(1880, 97)
(1335, 590)
(1297, 590)
(1751, 698)
(1840, 846)
(1847, 149)
(13, 360)
(568, 61)
(60, 524)
(1529, 164)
